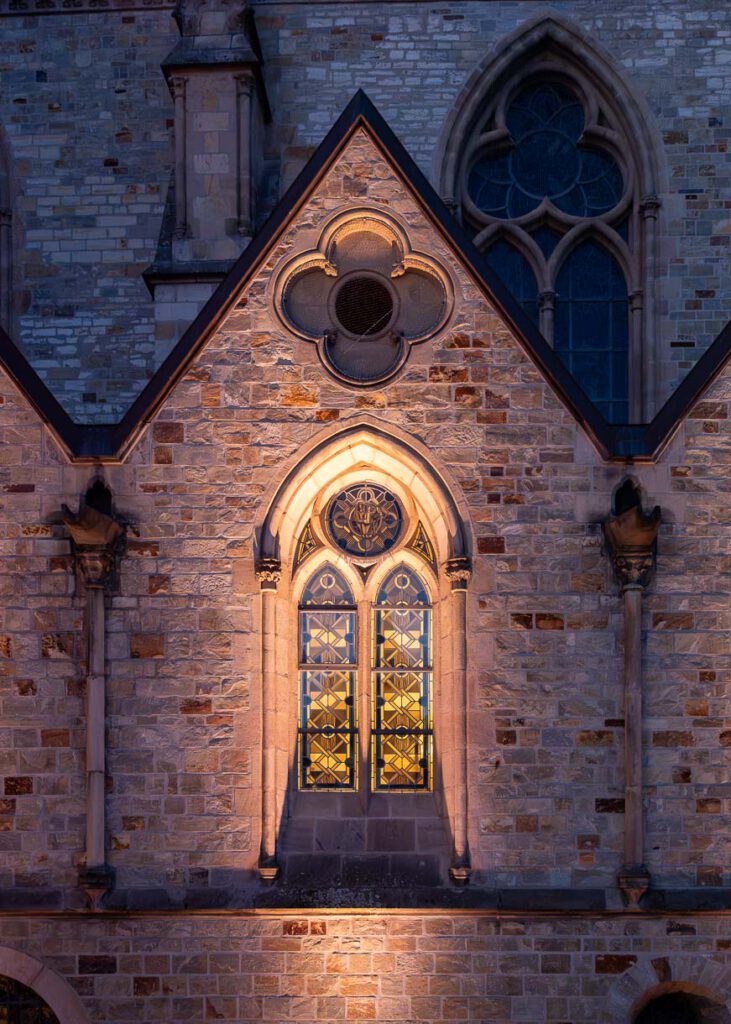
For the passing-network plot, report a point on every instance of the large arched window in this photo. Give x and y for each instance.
(546, 160)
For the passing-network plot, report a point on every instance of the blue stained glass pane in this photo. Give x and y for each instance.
(591, 328)
(515, 272)
(327, 586)
(547, 239)
(545, 122)
(402, 588)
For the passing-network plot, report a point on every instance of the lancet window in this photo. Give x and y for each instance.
(365, 651)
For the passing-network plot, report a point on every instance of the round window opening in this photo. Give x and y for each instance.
(364, 520)
(364, 306)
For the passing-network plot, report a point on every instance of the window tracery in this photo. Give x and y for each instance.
(547, 148)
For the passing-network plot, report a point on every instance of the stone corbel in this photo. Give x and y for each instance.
(96, 540)
(268, 573)
(631, 538)
(459, 572)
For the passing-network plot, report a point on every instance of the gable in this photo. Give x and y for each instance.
(361, 124)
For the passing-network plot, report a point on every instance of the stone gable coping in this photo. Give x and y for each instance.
(111, 441)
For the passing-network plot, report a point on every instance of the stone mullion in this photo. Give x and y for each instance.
(649, 211)
(459, 572)
(268, 572)
(363, 695)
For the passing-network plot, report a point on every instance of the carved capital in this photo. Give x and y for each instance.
(546, 300)
(269, 573)
(650, 206)
(636, 300)
(177, 87)
(244, 85)
(459, 572)
(631, 539)
(96, 539)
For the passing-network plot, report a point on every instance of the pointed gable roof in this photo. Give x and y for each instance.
(111, 441)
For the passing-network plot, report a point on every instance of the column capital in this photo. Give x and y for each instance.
(546, 299)
(650, 206)
(631, 538)
(245, 84)
(459, 571)
(95, 539)
(269, 572)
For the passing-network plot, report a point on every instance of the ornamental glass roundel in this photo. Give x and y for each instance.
(364, 520)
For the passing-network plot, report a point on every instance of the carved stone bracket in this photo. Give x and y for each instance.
(96, 540)
(631, 538)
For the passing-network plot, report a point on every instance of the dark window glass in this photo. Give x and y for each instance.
(514, 271)
(21, 1005)
(674, 1008)
(545, 161)
(546, 238)
(591, 331)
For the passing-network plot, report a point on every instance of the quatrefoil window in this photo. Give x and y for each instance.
(547, 160)
(363, 296)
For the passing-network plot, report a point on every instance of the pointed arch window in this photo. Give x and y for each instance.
(549, 180)
(402, 669)
(332, 677)
(328, 666)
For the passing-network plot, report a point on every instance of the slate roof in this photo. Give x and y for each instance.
(111, 441)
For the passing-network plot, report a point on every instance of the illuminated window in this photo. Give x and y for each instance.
(331, 678)
(327, 642)
(401, 713)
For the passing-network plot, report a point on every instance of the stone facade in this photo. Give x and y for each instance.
(91, 150)
(220, 892)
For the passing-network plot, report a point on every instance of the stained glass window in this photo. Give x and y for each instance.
(545, 161)
(401, 757)
(21, 1005)
(364, 519)
(514, 271)
(327, 641)
(592, 327)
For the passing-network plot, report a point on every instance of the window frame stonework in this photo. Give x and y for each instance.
(363, 450)
(548, 48)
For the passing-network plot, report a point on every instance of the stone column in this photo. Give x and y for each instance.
(631, 538)
(6, 269)
(178, 86)
(546, 310)
(649, 211)
(636, 368)
(269, 573)
(459, 573)
(96, 540)
(244, 94)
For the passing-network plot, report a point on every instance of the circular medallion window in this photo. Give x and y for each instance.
(364, 520)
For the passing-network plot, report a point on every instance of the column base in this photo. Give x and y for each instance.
(634, 883)
(96, 883)
(268, 872)
(460, 874)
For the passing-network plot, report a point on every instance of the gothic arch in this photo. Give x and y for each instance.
(50, 986)
(565, 41)
(636, 988)
(394, 455)
(362, 451)
(549, 52)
